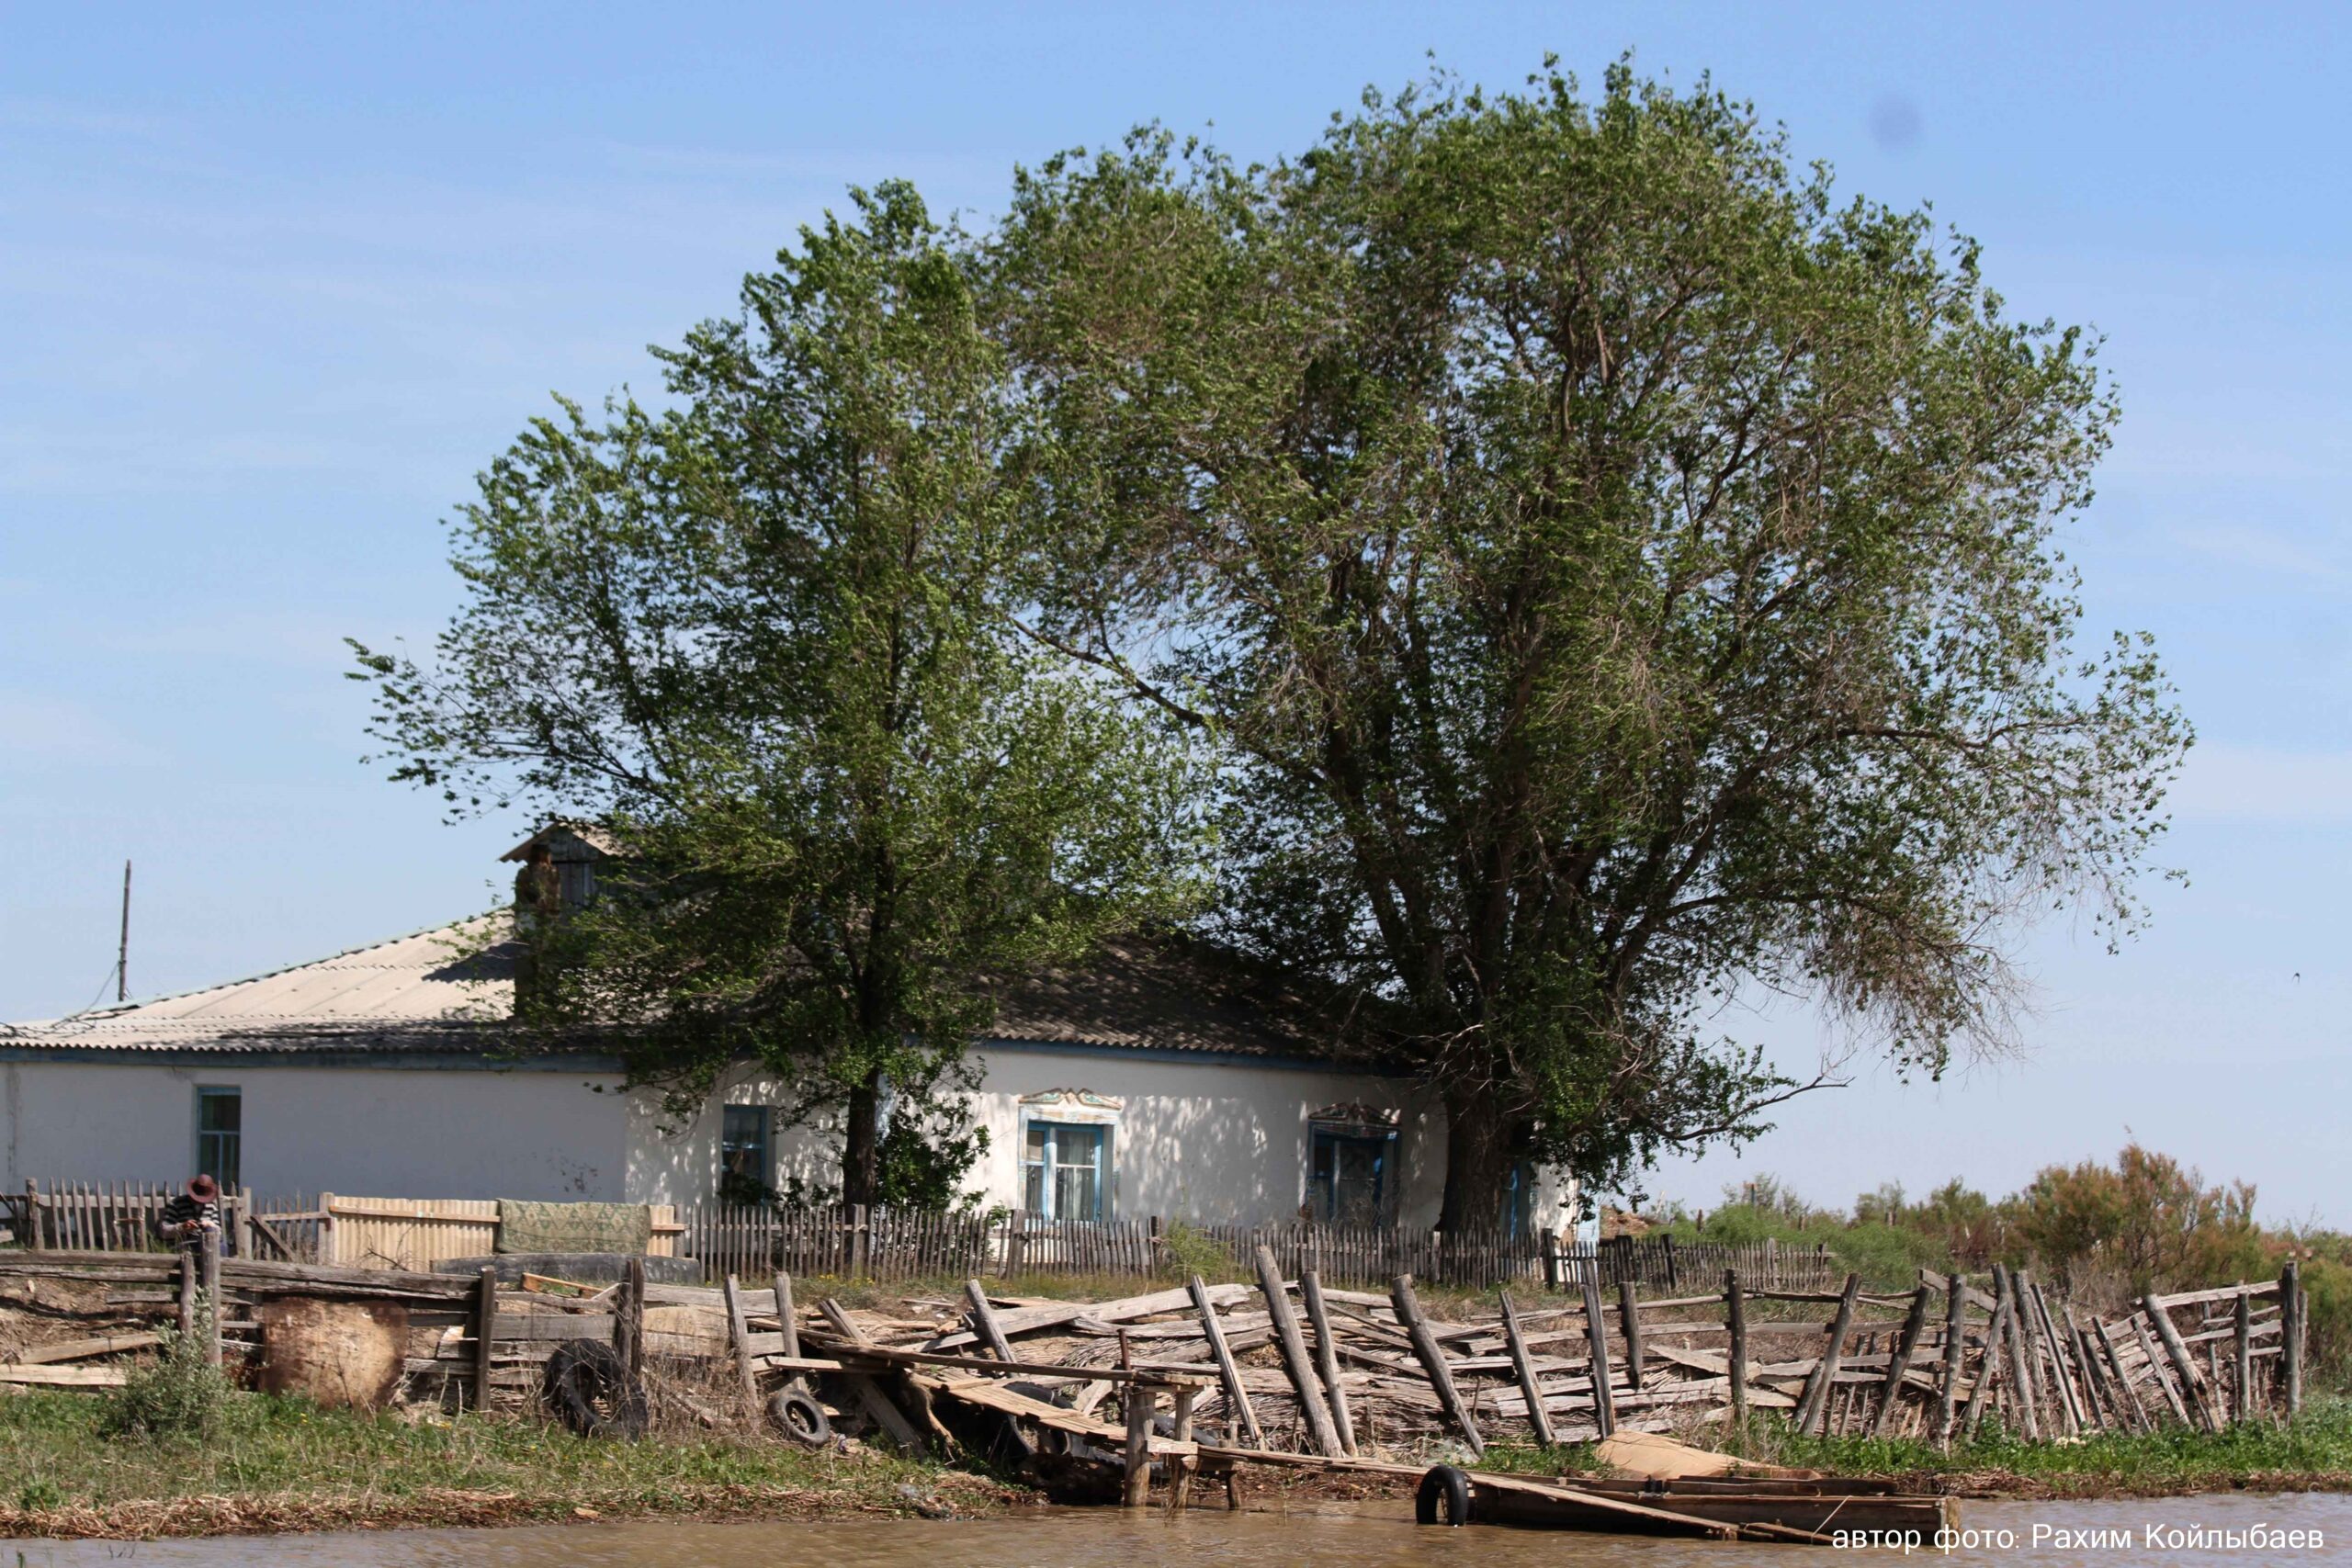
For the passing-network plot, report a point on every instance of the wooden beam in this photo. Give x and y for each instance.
(2127, 1404)
(2170, 1337)
(2156, 1368)
(1530, 1385)
(1955, 1348)
(2241, 1394)
(1629, 1322)
(1815, 1405)
(1327, 1360)
(1605, 1407)
(1236, 1398)
(1736, 1323)
(1408, 1313)
(982, 1318)
(739, 1341)
(485, 1333)
(1988, 1369)
(1906, 1346)
(1141, 1397)
(2291, 1329)
(1294, 1361)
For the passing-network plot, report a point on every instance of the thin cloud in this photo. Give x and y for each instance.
(2252, 785)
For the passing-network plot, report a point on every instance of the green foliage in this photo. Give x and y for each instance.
(178, 1395)
(1618, 573)
(767, 638)
(928, 1149)
(1186, 1252)
(2145, 1216)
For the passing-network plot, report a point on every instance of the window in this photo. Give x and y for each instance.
(1063, 1165)
(1519, 1201)
(219, 1130)
(745, 1164)
(1347, 1177)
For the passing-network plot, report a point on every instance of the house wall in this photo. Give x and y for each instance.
(407, 1133)
(1206, 1140)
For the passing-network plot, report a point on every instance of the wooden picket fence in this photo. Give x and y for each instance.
(1662, 1263)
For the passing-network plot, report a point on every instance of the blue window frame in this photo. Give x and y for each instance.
(219, 1134)
(1519, 1201)
(1348, 1175)
(1066, 1169)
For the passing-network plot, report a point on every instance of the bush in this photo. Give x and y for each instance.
(179, 1394)
(1186, 1252)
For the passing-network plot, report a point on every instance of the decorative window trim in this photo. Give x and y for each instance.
(1355, 1119)
(1081, 1106)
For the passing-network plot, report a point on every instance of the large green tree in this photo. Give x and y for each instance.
(1619, 575)
(763, 636)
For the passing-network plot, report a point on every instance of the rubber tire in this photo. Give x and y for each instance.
(800, 1418)
(589, 1390)
(1444, 1490)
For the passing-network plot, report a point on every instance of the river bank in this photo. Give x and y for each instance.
(274, 1465)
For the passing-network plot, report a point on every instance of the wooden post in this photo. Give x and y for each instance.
(1180, 1467)
(1988, 1367)
(1530, 1385)
(2291, 1336)
(1432, 1360)
(786, 1315)
(2054, 1348)
(628, 1320)
(2156, 1368)
(1595, 1334)
(329, 1243)
(244, 1221)
(2078, 1345)
(2021, 1389)
(2128, 1401)
(1327, 1360)
(1673, 1274)
(2161, 1321)
(739, 1340)
(1898, 1364)
(211, 1287)
(1236, 1398)
(1629, 1322)
(1736, 1321)
(984, 1322)
(1815, 1404)
(485, 1333)
(187, 1290)
(1955, 1343)
(1141, 1397)
(2242, 1374)
(1294, 1361)
(1550, 1260)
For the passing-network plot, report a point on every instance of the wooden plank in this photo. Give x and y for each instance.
(80, 1350)
(1327, 1360)
(787, 1318)
(1955, 1348)
(1604, 1409)
(1030, 1319)
(1236, 1398)
(2155, 1366)
(2290, 1328)
(738, 1334)
(1736, 1321)
(1432, 1360)
(1988, 1369)
(64, 1377)
(2242, 1390)
(2023, 1387)
(983, 1319)
(1629, 1324)
(2169, 1337)
(1814, 1408)
(1891, 1389)
(1141, 1397)
(2054, 1347)
(1531, 1384)
(2128, 1403)
(1180, 1483)
(485, 1333)
(1296, 1364)
(2198, 1298)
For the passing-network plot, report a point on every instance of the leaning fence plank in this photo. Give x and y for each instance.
(1531, 1384)
(1294, 1352)
(2161, 1321)
(1408, 1313)
(1327, 1360)
(1815, 1404)
(1899, 1363)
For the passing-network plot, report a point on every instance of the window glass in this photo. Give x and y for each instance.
(1348, 1183)
(745, 1164)
(220, 1133)
(1065, 1170)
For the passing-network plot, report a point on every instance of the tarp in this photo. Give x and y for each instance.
(527, 1225)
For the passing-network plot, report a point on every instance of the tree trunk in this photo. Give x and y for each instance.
(1477, 1160)
(862, 1148)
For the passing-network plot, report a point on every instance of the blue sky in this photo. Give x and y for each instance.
(274, 285)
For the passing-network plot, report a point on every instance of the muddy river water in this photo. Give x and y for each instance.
(2234, 1528)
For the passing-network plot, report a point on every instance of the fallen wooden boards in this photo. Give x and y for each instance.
(81, 1349)
(989, 1394)
(62, 1377)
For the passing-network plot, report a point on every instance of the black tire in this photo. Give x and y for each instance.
(800, 1418)
(1442, 1497)
(588, 1390)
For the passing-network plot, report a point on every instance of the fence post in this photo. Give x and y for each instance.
(858, 1241)
(244, 1221)
(485, 1331)
(1551, 1262)
(32, 1214)
(1673, 1275)
(212, 1290)
(328, 1251)
(2291, 1336)
(1736, 1321)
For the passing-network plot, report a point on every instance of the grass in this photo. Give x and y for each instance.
(275, 1462)
(2315, 1451)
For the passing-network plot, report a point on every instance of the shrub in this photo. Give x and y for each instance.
(180, 1394)
(1187, 1252)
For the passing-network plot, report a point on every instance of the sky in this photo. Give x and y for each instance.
(275, 283)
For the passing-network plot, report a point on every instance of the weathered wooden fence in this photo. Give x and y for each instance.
(886, 1244)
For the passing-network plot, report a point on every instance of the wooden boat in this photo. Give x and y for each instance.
(1810, 1512)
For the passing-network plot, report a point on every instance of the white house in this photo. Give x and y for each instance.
(1147, 1083)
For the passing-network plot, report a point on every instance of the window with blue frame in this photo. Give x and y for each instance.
(219, 1134)
(1349, 1177)
(1065, 1170)
(1519, 1201)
